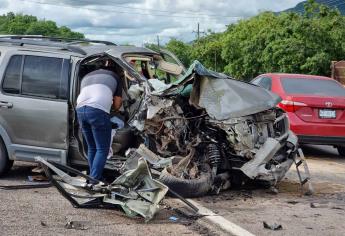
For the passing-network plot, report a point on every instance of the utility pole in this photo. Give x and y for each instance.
(198, 32)
(158, 41)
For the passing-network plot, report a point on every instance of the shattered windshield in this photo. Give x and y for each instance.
(165, 69)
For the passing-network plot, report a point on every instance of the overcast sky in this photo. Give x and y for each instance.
(140, 21)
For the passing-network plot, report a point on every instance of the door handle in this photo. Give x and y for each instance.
(4, 104)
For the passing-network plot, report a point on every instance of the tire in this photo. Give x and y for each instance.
(188, 188)
(5, 163)
(341, 151)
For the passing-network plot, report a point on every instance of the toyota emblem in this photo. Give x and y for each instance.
(328, 104)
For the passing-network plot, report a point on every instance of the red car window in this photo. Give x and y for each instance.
(312, 87)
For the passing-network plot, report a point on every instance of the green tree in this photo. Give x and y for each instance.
(287, 42)
(208, 50)
(29, 25)
(152, 46)
(181, 50)
(269, 42)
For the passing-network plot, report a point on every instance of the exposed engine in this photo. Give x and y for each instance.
(204, 146)
(215, 131)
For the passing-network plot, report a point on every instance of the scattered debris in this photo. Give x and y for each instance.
(44, 224)
(37, 178)
(318, 205)
(25, 186)
(273, 190)
(77, 225)
(293, 202)
(173, 218)
(38, 170)
(337, 208)
(185, 213)
(274, 226)
(134, 191)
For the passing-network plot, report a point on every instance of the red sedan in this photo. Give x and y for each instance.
(315, 106)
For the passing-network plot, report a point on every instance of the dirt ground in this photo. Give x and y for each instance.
(320, 214)
(46, 212)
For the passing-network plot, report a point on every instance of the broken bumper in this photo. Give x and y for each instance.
(259, 169)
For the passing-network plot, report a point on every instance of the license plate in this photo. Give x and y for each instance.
(327, 114)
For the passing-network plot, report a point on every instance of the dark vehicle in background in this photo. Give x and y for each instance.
(315, 106)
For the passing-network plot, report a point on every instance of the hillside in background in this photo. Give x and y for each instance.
(339, 4)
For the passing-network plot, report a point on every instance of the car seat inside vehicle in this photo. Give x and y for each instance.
(154, 67)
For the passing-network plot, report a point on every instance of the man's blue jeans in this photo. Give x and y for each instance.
(96, 128)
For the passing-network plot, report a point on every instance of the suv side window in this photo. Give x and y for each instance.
(41, 76)
(12, 75)
(37, 76)
(266, 82)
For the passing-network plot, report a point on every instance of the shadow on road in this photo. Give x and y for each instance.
(19, 171)
(320, 151)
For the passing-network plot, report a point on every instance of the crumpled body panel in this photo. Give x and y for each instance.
(215, 126)
(221, 96)
(135, 191)
(227, 98)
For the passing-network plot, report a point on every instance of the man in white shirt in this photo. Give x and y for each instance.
(100, 89)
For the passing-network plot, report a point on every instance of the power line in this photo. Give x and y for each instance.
(189, 12)
(126, 12)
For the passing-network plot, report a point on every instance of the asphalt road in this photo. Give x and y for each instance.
(46, 212)
(320, 214)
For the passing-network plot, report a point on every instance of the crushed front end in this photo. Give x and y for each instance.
(217, 131)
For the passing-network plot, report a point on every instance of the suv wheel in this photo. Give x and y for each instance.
(5, 163)
(341, 150)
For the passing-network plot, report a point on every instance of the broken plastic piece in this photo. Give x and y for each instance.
(274, 226)
(173, 218)
(38, 178)
(77, 225)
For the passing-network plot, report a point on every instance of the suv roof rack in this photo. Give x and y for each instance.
(58, 39)
(62, 43)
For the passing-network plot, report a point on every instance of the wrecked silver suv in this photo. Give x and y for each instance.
(194, 131)
(210, 131)
(200, 134)
(215, 131)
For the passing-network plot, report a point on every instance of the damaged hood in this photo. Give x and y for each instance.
(221, 96)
